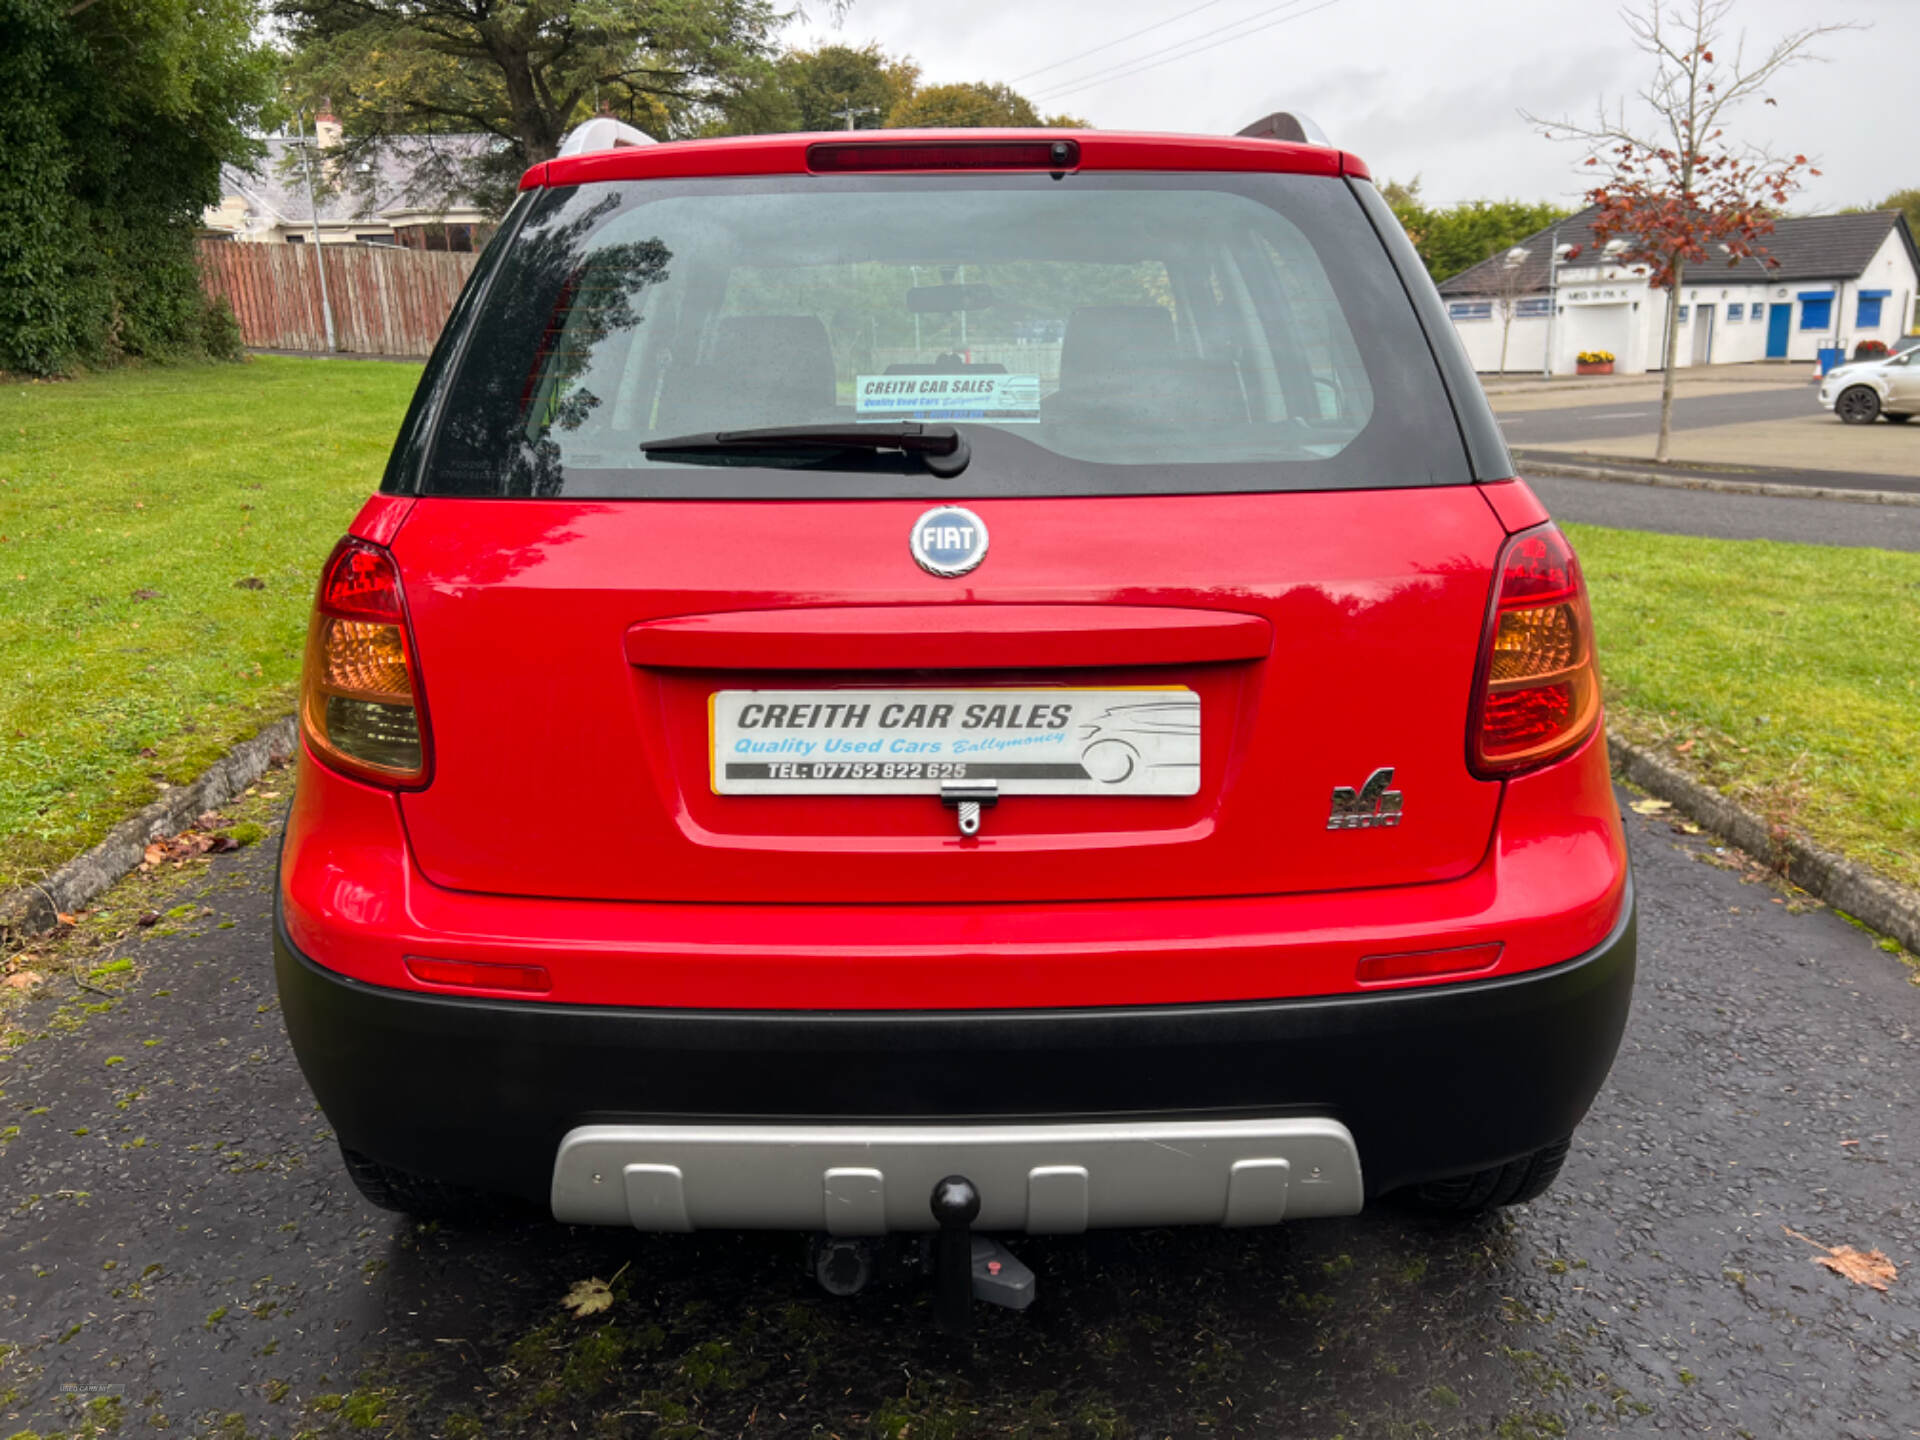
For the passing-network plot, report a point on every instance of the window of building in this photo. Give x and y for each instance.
(1683, 315)
(1531, 309)
(1470, 310)
(456, 238)
(1816, 309)
(1868, 317)
(1759, 310)
(1736, 313)
(296, 239)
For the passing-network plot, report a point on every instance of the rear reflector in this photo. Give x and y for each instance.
(479, 975)
(1426, 964)
(1537, 695)
(834, 157)
(360, 692)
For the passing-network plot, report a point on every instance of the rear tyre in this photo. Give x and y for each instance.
(1858, 405)
(414, 1195)
(1514, 1183)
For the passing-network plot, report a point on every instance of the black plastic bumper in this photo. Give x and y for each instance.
(1432, 1082)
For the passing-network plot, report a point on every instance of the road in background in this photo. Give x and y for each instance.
(1611, 417)
(1727, 517)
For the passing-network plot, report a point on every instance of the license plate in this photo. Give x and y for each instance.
(1059, 741)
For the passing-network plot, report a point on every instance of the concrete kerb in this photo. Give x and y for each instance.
(30, 909)
(1891, 909)
(1681, 481)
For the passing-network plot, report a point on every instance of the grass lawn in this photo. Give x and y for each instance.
(138, 509)
(1786, 675)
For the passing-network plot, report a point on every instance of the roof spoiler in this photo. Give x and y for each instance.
(603, 132)
(1296, 129)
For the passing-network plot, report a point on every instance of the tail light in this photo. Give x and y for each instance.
(360, 701)
(1537, 695)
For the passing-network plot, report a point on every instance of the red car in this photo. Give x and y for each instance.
(1006, 656)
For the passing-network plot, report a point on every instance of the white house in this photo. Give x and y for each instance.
(385, 203)
(1833, 281)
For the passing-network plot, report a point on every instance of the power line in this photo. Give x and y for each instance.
(1158, 24)
(1178, 50)
(1073, 87)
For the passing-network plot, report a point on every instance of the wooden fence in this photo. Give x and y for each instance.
(385, 301)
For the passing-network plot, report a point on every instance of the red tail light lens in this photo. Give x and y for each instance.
(360, 702)
(480, 975)
(1427, 964)
(1537, 694)
(831, 157)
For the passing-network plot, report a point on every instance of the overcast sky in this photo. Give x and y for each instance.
(1416, 87)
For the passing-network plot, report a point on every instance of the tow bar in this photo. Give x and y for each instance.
(966, 1267)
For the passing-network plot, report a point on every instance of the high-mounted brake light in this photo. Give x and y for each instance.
(833, 157)
(360, 701)
(1536, 695)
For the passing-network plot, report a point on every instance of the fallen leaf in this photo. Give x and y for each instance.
(252, 582)
(24, 979)
(1683, 747)
(151, 918)
(590, 1297)
(1863, 1267)
(66, 919)
(1687, 827)
(1650, 807)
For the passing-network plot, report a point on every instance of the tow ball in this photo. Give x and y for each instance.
(966, 1267)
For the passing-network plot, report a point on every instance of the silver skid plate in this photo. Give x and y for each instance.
(871, 1179)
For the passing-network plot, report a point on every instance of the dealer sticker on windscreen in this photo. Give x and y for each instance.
(1003, 399)
(909, 742)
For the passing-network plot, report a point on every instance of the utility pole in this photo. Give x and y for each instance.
(850, 112)
(1553, 299)
(313, 206)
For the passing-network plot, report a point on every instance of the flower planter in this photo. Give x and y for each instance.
(1605, 367)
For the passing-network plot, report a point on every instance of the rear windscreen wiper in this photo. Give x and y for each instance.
(941, 448)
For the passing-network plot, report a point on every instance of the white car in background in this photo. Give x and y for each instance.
(1863, 391)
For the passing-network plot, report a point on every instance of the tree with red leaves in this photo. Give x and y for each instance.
(1669, 186)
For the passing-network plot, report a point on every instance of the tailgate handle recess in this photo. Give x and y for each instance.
(952, 636)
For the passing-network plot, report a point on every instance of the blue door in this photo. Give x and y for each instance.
(1779, 320)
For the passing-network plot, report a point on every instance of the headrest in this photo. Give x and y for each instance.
(776, 361)
(1105, 340)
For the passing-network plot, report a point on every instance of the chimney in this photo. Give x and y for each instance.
(326, 126)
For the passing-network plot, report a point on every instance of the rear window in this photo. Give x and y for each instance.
(1102, 333)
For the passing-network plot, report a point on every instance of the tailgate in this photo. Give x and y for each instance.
(1166, 691)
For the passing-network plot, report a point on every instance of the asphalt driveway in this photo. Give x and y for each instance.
(183, 1249)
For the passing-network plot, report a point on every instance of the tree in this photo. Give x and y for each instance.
(835, 81)
(117, 117)
(1668, 185)
(975, 104)
(1459, 237)
(1905, 201)
(523, 71)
